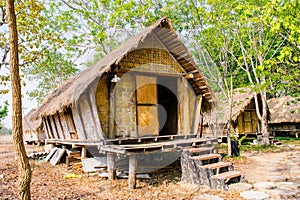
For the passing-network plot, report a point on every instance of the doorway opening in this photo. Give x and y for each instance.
(167, 88)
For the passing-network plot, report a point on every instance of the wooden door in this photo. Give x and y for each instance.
(146, 101)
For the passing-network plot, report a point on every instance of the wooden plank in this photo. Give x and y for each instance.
(147, 120)
(146, 90)
(216, 165)
(132, 171)
(227, 175)
(57, 156)
(53, 150)
(207, 157)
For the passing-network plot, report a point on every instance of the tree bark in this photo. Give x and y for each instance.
(22, 159)
(264, 119)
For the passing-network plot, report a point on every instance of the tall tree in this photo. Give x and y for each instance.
(22, 159)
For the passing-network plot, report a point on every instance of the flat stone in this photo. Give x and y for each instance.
(207, 197)
(254, 195)
(280, 193)
(274, 169)
(240, 186)
(277, 178)
(264, 185)
(288, 185)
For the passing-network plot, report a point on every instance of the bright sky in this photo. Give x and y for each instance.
(26, 102)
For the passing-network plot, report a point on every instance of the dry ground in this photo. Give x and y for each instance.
(48, 182)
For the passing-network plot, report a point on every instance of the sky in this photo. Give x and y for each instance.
(27, 103)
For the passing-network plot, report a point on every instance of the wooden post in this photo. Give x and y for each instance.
(83, 152)
(51, 146)
(196, 117)
(111, 166)
(132, 171)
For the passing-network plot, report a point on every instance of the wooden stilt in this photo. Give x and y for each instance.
(83, 152)
(111, 166)
(132, 171)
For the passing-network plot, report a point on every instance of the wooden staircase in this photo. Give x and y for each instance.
(200, 166)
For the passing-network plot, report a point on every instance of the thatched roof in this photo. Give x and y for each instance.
(69, 92)
(284, 109)
(241, 98)
(30, 123)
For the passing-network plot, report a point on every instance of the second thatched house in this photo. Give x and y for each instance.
(285, 115)
(33, 130)
(244, 119)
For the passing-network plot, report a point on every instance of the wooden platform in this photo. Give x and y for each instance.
(187, 139)
(164, 146)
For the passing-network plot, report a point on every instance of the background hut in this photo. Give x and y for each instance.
(285, 115)
(33, 132)
(149, 86)
(244, 119)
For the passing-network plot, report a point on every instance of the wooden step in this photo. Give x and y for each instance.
(200, 150)
(221, 181)
(217, 165)
(227, 175)
(207, 157)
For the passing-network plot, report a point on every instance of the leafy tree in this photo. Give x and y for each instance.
(40, 44)
(281, 18)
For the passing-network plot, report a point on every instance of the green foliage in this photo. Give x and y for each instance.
(3, 112)
(39, 40)
(235, 43)
(260, 148)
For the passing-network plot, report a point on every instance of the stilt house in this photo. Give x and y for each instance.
(144, 96)
(285, 115)
(244, 119)
(33, 130)
(148, 86)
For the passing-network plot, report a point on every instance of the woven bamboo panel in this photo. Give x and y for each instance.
(102, 104)
(146, 90)
(241, 127)
(254, 121)
(147, 120)
(151, 60)
(150, 42)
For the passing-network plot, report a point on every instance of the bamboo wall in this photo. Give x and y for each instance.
(117, 103)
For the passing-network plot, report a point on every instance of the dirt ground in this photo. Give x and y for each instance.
(48, 182)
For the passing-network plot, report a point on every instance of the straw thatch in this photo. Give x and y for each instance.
(31, 124)
(284, 109)
(69, 92)
(241, 98)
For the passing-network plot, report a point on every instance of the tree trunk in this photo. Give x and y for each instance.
(23, 163)
(264, 119)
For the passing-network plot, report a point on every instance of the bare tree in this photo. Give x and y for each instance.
(22, 159)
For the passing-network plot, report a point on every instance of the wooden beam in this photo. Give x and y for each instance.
(111, 166)
(132, 171)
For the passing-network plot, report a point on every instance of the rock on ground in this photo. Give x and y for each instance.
(254, 195)
(207, 197)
